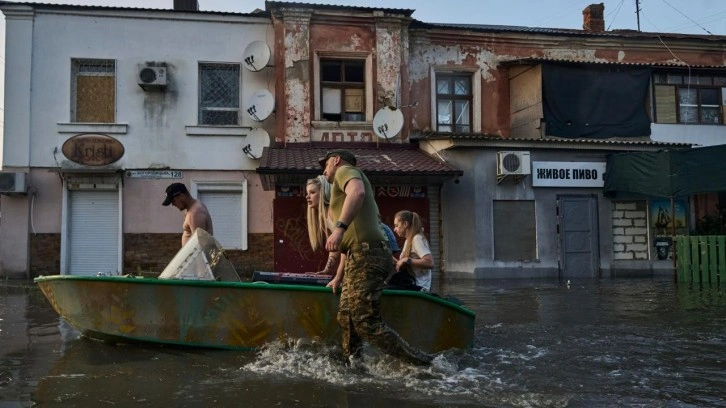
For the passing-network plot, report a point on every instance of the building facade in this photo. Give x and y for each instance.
(498, 136)
(107, 106)
(530, 115)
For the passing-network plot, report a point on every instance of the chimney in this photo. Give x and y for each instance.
(592, 18)
(186, 5)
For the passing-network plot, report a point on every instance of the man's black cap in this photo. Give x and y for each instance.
(346, 155)
(174, 190)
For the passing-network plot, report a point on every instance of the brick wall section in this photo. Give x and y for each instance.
(259, 256)
(149, 254)
(44, 254)
(630, 230)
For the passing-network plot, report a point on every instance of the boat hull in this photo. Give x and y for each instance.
(238, 315)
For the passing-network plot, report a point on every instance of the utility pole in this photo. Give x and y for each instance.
(637, 12)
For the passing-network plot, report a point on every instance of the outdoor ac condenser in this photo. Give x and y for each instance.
(13, 183)
(152, 77)
(515, 163)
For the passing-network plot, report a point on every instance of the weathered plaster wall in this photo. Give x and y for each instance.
(297, 79)
(426, 55)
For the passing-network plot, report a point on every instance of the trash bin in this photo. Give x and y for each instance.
(662, 248)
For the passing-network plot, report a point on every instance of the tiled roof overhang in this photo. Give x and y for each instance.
(382, 165)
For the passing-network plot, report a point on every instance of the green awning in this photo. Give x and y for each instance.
(671, 173)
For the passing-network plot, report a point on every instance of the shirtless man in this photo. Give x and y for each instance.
(197, 215)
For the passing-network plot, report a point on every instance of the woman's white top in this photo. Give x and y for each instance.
(419, 249)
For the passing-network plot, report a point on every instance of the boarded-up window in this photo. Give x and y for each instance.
(665, 104)
(515, 231)
(94, 91)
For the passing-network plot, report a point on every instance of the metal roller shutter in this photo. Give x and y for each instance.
(93, 232)
(225, 207)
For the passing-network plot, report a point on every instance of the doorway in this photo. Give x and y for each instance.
(578, 236)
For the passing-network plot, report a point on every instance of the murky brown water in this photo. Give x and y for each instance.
(627, 343)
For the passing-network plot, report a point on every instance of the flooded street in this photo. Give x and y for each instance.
(539, 343)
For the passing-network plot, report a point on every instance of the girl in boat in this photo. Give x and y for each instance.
(317, 194)
(414, 265)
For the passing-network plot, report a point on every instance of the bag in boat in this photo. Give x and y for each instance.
(201, 258)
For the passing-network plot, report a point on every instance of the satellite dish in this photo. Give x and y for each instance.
(260, 105)
(387, 122)
(257, 139)
(256, 56)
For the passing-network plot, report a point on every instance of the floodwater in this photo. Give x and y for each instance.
(624, 343)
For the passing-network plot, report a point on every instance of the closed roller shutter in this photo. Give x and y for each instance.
(93, 233)
(225, 207)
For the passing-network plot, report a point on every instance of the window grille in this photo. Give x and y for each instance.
(219, 86)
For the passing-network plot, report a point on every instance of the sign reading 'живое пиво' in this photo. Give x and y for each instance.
(568, 174)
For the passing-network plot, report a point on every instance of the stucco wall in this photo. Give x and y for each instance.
(156, 134)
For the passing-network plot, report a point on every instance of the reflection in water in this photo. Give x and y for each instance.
(538, 343)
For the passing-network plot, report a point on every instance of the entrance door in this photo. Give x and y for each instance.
(93, 232)
(578, 237)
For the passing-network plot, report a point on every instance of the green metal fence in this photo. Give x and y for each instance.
(701, 259)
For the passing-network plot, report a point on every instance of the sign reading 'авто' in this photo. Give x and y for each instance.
(568, 174)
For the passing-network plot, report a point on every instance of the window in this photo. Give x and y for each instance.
(93, 95)
(227, 204)
(453, 103)
(515, 231)
(342, 86)
(219, 94)
(696, 98)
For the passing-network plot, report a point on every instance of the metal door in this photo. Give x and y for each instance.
(578, 236)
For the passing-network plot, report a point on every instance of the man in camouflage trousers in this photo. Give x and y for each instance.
(368, 262)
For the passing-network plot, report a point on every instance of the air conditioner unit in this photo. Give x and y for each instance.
(152, 77)
(514, 163)
(12, 182)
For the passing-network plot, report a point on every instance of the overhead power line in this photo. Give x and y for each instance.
(690, 19)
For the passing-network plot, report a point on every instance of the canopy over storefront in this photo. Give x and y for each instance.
(390, 165)
(671, 173)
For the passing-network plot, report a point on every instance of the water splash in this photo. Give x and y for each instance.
(468, 375)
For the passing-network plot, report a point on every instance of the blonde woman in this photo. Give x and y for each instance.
(317, 194)
(416, 255)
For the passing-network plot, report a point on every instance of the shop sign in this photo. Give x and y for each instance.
(93, 149)
(568, 174)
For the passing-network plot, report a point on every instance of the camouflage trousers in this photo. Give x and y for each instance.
(359, 313)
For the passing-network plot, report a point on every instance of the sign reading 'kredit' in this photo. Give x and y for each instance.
(568, 174)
